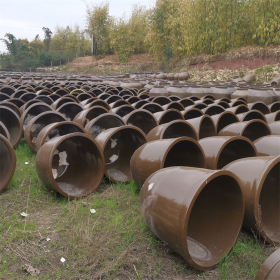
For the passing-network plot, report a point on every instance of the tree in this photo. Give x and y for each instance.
(48, 36)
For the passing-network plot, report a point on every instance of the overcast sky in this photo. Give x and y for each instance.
(25, 18)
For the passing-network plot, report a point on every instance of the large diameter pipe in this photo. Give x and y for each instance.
(197, 212)
(7, 162)
(13, 124)
(103, 122)
(224, 119)
(221, 150)
(35, 126)
(118, 145)
(4, 131)
(174, 129)
(168, 116)
(253, 129)
(72, 165)
(156, 155)
(204, 126)
(270, 269)
(142, 119)
(268, 145)
(57, 129)
(259, 180)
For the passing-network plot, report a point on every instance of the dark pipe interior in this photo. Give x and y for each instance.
(269, 206)
(214, 110)
(6, 163)
(256, 130)
(185, 153)
(252, 115)
(161, 100)
(235, 150)
(275, 107)
(84, 162)
(124, 110)
(214, 222)
(118, 152)
(261, 107)
(177, 106)
(153, 108)
(170, 116)
(226, 120)
(93, 113)
(192, 113)
(63, 129)
(41, 122)
(142, 120)
(179, 129)
(103, 123)
(241, 109)
(207, 128)
(70, 110)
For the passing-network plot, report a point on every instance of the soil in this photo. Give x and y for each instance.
(239, 63)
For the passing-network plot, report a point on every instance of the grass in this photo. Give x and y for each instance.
(113, 243)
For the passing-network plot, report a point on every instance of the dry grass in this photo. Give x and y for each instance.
(113, 243)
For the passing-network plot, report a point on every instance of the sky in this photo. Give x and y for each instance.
(26, 18)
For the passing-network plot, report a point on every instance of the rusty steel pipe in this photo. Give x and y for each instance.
(221, 150)
(168, 116)
(72, 165)
(57, 129)
(270, 269)
(251, 115)
(34, 110)
(259, 179)
(204, 126)
(123, 110)
(118, 145)
(253, 129)
(197, 212)
(273, 117)
(103, 122)
(12, 123)
(239, 109)
(192, 113)
(143, 119)
(159, 154)
(85, 116)
(224, 119)
(4, 131)
(70, 110)
(275, 128)
(7, 162)
(174, 129)
(35, 125)
(268, 145)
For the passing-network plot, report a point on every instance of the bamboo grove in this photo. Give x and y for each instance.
(170, 29)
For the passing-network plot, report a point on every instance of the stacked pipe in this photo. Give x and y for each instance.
(196, 149)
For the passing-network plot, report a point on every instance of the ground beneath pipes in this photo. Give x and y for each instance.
(112, 243)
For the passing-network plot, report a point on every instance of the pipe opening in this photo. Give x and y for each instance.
(103, 123)
(170, 116)
(118, 152)
(226, 120)
(207, 128)
(256, 130)
(253, 115)
(235, 150)
(142, 120)
(269, 206)
(179, 129)
(73, 164)
(185, 153)
(192, 113)
(6, 163)
(215, 220)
